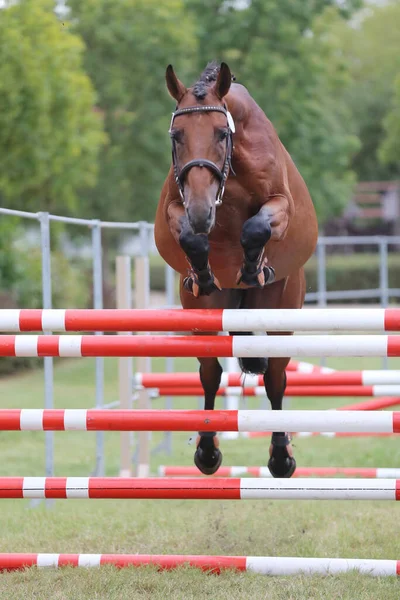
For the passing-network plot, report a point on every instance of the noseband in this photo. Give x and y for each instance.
(221, 174)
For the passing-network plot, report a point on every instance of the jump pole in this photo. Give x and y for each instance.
(199, 346)
(308, 421)
(292, 391)
(121, 488)
(316, 319)
(263, 565)
(236, 471)
(237, 379)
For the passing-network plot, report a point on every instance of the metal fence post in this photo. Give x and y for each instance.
(48, 361)
(384, 281)
(321, 272)
(97, 261)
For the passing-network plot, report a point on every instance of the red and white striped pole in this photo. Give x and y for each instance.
(316, 319)
(198, 488)
(199, 346)
(235, 471)
(263, 565)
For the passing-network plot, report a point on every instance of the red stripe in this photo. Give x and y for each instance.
(68, 560)
(11, 487)
(159, 488)
(396, 422)
(10, 419)
(13, 562)
(55, 487)
(7, 345)
(48, 345)
(392, 319)
(398, 568)
(53, 420)
(397, 489)
(393, 345)
(149, 345)
(162, 420)
(213, 564)
(144, 320)
(30, 320)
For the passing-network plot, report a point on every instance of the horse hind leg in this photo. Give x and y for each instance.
(208, 457)
(281, 462)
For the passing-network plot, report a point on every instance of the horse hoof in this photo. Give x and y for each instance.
(208, 463)
(282, 466)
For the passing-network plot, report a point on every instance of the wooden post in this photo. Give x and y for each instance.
(142, 300)
(124, 300)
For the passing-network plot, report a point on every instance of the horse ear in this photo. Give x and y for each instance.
(175, 87)
(223, 83)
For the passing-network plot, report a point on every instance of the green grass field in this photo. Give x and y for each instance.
(355, 529)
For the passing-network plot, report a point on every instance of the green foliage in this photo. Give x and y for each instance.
(130, 43)
(49, 134)
(370, 47)
(389, 152)
(286, 54)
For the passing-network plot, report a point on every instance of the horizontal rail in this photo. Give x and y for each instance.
(263, 565)
(32, 419)
(199, 346)
(366, 472)
(317, 319)
(198, 488)
(350, 378)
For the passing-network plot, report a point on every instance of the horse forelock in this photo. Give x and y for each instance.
(208, 76)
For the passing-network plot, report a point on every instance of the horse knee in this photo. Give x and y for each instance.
(256, 232)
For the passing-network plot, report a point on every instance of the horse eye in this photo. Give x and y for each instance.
(222, 134)
(177, 136)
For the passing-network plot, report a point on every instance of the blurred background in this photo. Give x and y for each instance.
(84, 116)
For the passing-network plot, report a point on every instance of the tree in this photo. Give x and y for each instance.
(286, 54)
(129, 44)
(370, 46)
(389, 151)
(49, 134)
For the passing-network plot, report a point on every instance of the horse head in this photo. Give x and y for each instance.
(201, 134)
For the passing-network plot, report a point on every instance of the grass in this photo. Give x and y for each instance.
(276, 528)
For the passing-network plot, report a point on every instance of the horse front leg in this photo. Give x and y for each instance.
(208, 457)
(200, 281)
(281, 462)
(270, 222)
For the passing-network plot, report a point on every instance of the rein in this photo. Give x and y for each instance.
(221, 174)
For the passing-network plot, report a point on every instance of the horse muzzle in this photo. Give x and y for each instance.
(201, 217)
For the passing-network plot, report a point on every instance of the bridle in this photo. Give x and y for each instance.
(221, 174)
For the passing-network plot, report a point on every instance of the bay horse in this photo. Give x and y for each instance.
(236, 221)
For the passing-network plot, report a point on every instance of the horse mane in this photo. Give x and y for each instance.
(208, 76)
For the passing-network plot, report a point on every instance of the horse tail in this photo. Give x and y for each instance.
(255, 366)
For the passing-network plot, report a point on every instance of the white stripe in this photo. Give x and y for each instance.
(89, 560)
(53, 320)
(387, 473)
(143, 470)
(309, 345)
(34, 487)
(47, 560)
(31, 419)
(161, 471)
(380, 377)
(293, 565)
(238, 471)
(318, 489)
(9, 319)
(327, 370)
(316, 421)
(305, 367)
(125, 473)
(75, 419)
(70, 345)
(386, 390)
(26, 345)
(224, 379)
(138, 379)
(77, 487)
(316, 319)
